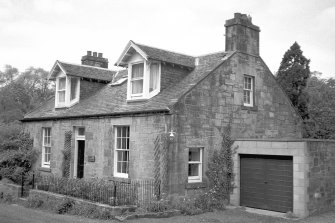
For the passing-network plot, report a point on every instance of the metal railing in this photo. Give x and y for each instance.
(111, 192)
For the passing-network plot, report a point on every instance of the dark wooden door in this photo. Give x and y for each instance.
(266, 182)
(81, 158)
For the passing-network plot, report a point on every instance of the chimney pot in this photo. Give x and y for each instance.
(96, 60)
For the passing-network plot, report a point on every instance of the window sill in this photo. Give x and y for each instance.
(137, 99)
(196, 185)
(119, 179)
(249, 108)
(44, 169)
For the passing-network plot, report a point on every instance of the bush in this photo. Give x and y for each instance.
(158, 206)
(5, 197)
(16, 153)
(34, 202)
(65, 206)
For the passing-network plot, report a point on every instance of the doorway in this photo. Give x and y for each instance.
(79, 153)
(81, 158)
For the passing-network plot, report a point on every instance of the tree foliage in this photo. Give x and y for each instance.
(16, 152)
(293, 75)
(22, 92)
(321, 107)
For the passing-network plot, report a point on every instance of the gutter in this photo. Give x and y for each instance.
(106, 115)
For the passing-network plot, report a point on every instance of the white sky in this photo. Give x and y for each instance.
(39, 32)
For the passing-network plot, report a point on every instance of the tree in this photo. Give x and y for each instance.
(321, 107)
(8, 75)
(22, 92)
(17, 154)
(293, 75)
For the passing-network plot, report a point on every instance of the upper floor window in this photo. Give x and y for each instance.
(137, 75)
(144, 80)
(248, 91)
(67, 91)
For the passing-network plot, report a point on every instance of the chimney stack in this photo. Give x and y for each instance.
(242, 35)
(95, 60)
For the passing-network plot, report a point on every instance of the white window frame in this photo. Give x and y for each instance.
(68, 102)
(116, 173)
(251, 90)
(45, 145)
(58, 103)
(139, 95)
(146, 94)
(196, 179)
(77, 137)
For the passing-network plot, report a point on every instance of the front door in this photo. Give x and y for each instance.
(81, 158)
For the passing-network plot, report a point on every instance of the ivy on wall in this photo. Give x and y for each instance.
(67, 154)
(220, 167)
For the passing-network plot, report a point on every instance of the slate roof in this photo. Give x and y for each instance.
(86, 71)
(168, 56)
(111, 99)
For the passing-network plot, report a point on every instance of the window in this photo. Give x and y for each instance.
(61, 90)
(74, 89)
(154, 77)
(248, 91)
(144, 79)
(121, 154)
(195, 165)
(67, 91)
(137, 71)
(46, 147)
(80, 131)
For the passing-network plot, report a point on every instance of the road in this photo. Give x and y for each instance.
(17, 214)
(12, 213)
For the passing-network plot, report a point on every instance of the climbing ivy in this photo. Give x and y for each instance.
(67, 155)
(220, 167)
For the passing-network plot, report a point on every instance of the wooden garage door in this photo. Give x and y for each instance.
(266, 182)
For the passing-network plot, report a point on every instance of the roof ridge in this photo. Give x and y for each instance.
(82, 65)
(165, 50)
(208, 54)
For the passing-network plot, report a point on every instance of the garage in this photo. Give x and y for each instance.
(266, 182)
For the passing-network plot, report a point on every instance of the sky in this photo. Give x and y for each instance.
(39, 32)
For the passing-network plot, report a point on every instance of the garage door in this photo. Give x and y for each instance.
(266, 182)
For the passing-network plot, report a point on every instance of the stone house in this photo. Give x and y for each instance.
(162, 114)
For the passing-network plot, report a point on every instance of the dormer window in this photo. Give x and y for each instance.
(143, 79)
(137, 76)
(61, 90)
(67, 91)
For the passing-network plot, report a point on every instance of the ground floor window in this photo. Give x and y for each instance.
(46, 147)
(195, 156)
(121, 154)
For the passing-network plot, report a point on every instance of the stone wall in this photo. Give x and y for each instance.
(201, 113)
(321, 188)
(10, 189)
(99, 142)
